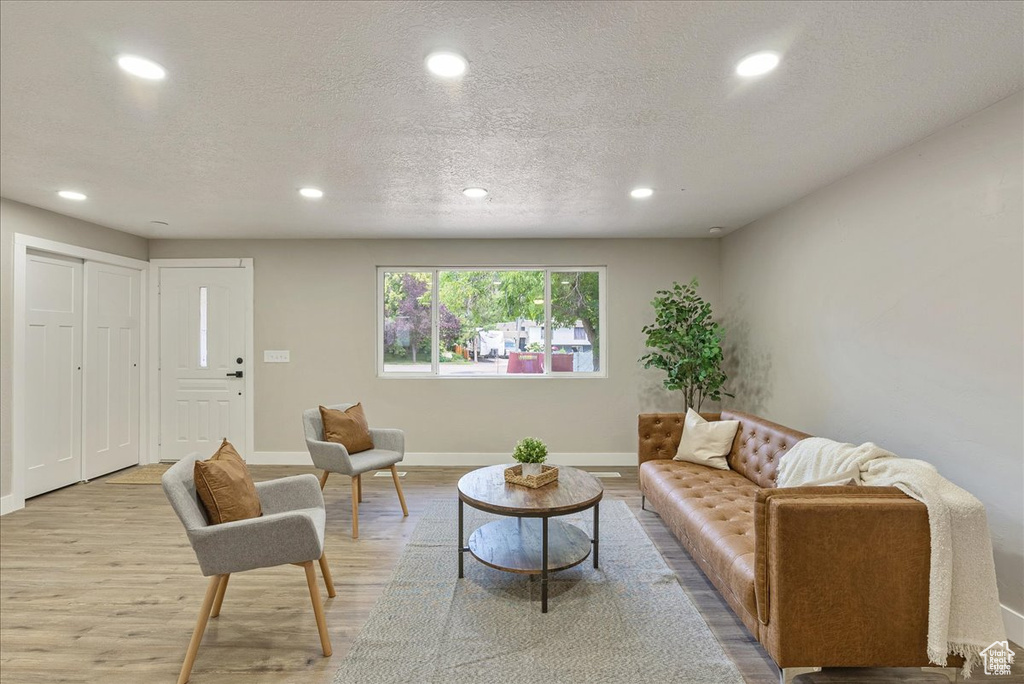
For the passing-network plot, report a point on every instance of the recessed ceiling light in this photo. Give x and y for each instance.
(757, 64)
(71, 195)
(475, 193)
(715, 230)
(141, 67)
(446, 64)
(640, 193)
(311, 193)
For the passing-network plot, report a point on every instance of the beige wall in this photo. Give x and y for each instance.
(888, 307)
(317, 298)
(21, 218)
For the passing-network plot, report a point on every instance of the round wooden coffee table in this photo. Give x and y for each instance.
(528, 541)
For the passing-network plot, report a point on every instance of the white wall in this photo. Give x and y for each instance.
(888, 307)
(317, 299)
(21, 218)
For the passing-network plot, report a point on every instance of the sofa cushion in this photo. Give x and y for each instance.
(758, 446)
(715, 509)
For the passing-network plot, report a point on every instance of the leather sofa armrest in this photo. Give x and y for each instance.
(841, 576)
(659, 434)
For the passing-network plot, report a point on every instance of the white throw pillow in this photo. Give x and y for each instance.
(706, 443)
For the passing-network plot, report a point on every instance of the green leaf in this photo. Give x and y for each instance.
(688, 343)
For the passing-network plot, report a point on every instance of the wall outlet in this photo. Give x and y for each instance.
(275, 356)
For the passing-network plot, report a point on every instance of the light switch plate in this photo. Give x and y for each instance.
(276, 356)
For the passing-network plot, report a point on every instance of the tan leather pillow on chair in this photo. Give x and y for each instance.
(348, 427)
(225, 487)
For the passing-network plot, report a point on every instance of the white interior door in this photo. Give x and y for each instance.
(203, 344)
(53, 378)
(112, 343)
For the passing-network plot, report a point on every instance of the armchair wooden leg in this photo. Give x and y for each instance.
(325, 570)
(355, 508)
(323, 480)
(359, 486)
(318, 610)
(219, 600)
(398, 488)
(197, 634)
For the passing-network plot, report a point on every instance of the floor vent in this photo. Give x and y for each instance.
(387, 473)
(605, 473)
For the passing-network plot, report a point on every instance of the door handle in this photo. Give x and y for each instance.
(236, 374)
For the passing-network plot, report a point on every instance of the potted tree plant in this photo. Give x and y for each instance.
(687, 344)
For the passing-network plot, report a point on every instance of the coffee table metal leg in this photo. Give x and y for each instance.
(597, 518)
(462, 547)
(544, 567)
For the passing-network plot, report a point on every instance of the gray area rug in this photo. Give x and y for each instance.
(627, 622)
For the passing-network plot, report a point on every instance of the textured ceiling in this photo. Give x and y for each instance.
(566, 106)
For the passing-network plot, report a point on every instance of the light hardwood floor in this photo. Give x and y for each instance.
(98, 584)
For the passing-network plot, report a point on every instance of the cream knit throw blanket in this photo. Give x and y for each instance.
(963, 603)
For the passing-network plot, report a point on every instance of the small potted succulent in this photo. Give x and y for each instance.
(531, 453)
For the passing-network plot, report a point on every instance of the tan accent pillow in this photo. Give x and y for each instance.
(706, 443)
(348, 428)
(225, 487)
(226, 451)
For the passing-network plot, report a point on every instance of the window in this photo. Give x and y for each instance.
(508, 322)
(407, 330)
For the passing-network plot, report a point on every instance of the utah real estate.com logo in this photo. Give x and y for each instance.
(998, 658)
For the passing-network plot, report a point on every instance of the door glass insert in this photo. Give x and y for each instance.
(203, 360)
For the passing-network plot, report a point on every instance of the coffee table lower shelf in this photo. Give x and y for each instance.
(517, 545)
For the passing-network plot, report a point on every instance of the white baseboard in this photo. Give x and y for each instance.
(1014, 623)
(463, 459)
(8, 504)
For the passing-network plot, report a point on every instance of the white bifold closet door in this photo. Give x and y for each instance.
(112, 351)
(53, 372)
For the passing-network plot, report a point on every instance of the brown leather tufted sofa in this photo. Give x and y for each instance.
(821, 576)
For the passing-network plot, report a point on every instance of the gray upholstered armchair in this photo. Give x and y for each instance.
(331, 457)
(291, 530)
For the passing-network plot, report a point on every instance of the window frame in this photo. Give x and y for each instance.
(435, 352)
